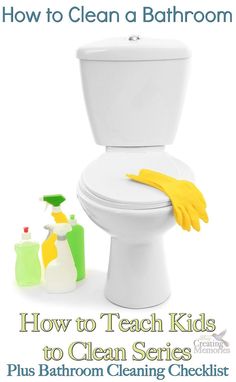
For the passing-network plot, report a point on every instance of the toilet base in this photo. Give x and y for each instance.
(137, 275)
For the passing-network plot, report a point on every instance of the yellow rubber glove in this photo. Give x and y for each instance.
(188, 202)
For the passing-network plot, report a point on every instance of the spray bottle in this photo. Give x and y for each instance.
(28, 268)
(60, 274)
(49, 251)
(76, 242)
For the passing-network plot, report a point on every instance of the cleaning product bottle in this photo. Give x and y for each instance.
(76, 242)
(28, 268)
(49, 251)
(60, 274)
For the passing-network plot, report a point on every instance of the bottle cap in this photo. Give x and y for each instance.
(26, 235)
(73, 220)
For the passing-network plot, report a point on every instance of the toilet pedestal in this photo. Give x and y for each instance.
(137, 275)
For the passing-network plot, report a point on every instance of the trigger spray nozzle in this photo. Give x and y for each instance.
(54, 200)
(49, 227)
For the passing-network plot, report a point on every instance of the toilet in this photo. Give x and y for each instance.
(134, 91)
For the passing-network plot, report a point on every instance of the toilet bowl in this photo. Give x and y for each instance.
(134, 91)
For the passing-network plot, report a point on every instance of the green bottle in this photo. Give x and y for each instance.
(75, 240)
(28, 268)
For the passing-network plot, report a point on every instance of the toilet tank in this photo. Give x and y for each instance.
(134, 89)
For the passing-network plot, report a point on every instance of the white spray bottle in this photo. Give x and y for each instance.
(61, 274)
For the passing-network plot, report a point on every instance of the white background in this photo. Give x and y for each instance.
(45, 142)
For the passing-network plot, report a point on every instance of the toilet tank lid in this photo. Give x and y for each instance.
(134, 48)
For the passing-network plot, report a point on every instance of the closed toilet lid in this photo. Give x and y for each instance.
(105, 178)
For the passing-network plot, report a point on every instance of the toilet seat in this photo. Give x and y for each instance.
(104, 180)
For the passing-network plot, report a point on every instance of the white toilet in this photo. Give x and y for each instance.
(134, 91)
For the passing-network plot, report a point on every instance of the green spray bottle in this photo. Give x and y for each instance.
(75, 240)
(28, 268)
